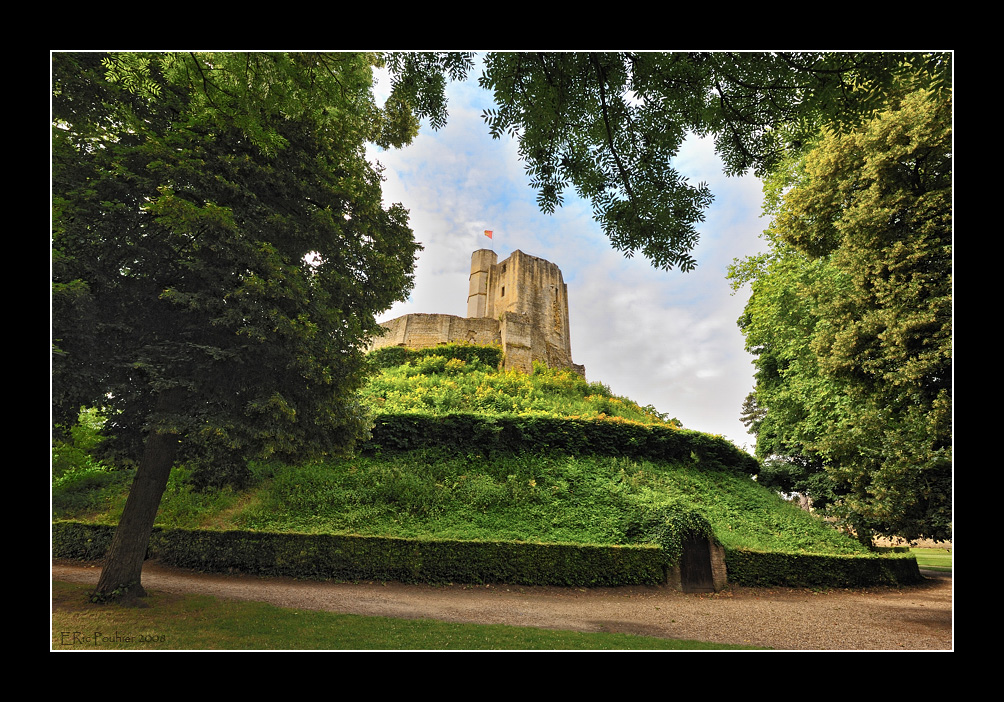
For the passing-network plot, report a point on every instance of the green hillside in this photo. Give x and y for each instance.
(458, 378)
(463, 451)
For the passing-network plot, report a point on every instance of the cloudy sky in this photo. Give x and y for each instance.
(668, 339)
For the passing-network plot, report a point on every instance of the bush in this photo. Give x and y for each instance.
(443, 560)
(753, 568)
(463, 432)
(394, 356)
(73, 456)
(323, 556)
(83, 492)
(449, 379)
(80, 481)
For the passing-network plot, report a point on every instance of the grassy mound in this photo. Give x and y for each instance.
(456, 378)
(467, 492)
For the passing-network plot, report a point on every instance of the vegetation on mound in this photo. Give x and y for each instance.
(453, 378)
(435, 493)
(544, 499)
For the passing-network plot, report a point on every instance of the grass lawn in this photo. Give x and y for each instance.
(199, 622)
(933, 558)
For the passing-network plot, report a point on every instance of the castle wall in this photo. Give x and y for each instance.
(419, 331)
(521, 303)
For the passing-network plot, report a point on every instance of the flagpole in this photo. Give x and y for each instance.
(490, 234)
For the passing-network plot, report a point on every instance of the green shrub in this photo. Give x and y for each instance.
(395, 356)
(86, 433)
(755, 568)
(73, 456)
(85, 492)
(444, 560)
(462, 432)
(323, 556)
(82, 483)
(390, 356)
(85, 542)
(70, 464)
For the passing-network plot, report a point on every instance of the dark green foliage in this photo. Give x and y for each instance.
(87, 492)
(419, 81)
(322, 556)
(581, 437)
(246, 278)
(81, 482)
(213, 471)
(610, 124)
(754, 568)
(85, 542)
(349, 558)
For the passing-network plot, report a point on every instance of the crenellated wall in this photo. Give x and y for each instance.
(520, 303)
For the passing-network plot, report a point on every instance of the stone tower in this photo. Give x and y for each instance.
(530, 299)
(520, 303)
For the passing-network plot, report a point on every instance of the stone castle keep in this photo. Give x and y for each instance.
(520, 304)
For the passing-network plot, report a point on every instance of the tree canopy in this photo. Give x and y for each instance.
(220, 251)
(850, 319)
(610, 124)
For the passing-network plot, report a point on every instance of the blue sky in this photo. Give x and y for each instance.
(668, 339)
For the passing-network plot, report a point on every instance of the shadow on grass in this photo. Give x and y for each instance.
(201, 622)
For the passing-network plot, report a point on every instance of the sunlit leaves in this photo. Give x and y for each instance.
(418, 82)
(441, 385)
(132, 71)
(851, 320)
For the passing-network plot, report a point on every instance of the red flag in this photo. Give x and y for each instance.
(488, 233)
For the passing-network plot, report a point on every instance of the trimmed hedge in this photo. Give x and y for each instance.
(321, 556)
(753, 568)
(394, 356)
(488, 435)
(81, 542)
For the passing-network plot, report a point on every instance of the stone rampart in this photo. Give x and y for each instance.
(419, 331)
(520, 303)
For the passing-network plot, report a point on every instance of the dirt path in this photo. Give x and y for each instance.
(918, 617)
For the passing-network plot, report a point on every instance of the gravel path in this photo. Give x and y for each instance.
(918, 617)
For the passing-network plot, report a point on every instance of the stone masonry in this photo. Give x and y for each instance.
(520, 304)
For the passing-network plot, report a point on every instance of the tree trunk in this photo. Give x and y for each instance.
(123, 566)
(865, 536)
